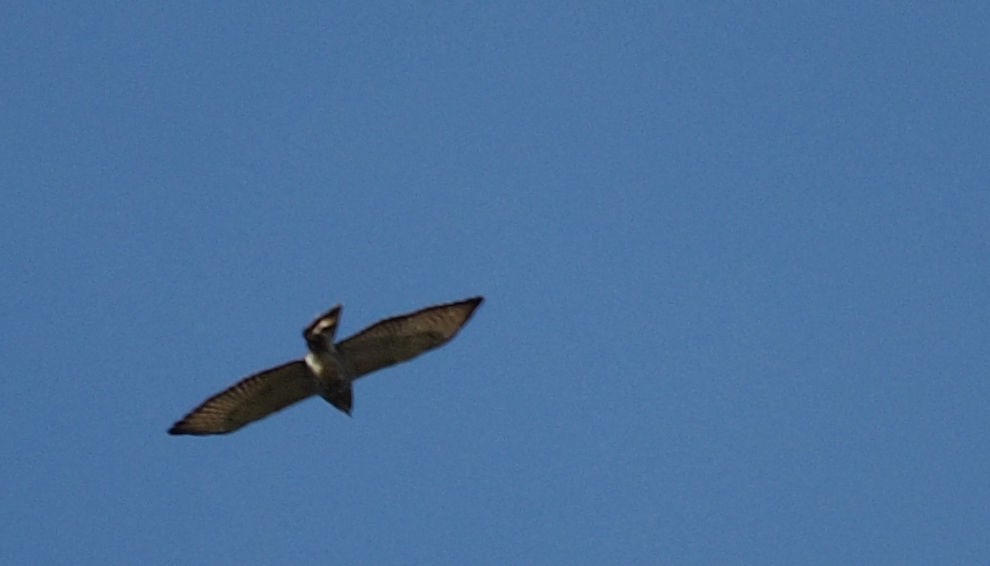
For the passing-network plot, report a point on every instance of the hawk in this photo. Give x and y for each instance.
(328, 369)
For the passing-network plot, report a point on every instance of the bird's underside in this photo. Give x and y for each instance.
(328, 369)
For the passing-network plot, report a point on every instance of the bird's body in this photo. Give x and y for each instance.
(332, 373)
(329, 369)
(333, 381)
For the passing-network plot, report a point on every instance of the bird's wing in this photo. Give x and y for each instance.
(253, 398)
(404, 337)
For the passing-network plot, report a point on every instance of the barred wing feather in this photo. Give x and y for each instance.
(404, 337)
(251, 399)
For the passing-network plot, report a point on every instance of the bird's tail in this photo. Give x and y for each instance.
(342, 398)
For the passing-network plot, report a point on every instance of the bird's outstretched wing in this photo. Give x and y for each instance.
(404, 337)
(253, 398)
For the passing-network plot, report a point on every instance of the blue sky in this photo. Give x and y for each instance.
(735, 259)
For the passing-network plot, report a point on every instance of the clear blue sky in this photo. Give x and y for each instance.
(736, 262)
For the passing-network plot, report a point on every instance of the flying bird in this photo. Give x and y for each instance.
(328, 369)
